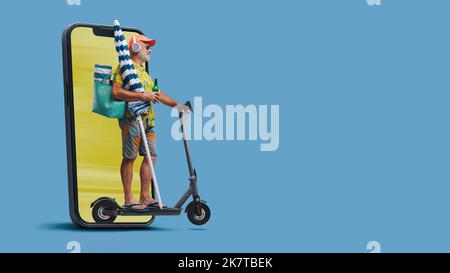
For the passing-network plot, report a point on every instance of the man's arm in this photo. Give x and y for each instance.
(118, 93)
(165, 99)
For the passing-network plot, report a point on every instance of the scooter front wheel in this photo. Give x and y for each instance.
(103, 212)
(198, 213)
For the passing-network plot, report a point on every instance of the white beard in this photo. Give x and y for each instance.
(143, 56)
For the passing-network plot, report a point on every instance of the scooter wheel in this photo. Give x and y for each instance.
(198, 213)
(103, 212)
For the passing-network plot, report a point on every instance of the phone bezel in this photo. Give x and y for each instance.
(70, 129)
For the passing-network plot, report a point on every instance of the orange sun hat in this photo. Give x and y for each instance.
(141, 38)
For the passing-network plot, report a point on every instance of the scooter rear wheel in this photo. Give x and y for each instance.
(198, 213)
(103, 212)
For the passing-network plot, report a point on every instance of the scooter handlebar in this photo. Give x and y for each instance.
(186, 108)
(188, 104)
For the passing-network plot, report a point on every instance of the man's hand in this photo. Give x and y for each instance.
(150, 96)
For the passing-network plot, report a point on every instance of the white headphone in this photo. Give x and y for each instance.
(136, 47)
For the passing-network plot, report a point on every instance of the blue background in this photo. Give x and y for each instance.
(363, 94)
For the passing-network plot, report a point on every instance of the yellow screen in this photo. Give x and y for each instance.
(97, 138)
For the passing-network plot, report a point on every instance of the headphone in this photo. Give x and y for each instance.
(136, 47)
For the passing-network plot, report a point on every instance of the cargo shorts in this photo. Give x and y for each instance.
(131, 138)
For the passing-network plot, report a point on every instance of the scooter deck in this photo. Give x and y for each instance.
(151, 211)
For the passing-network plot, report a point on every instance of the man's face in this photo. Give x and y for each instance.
(145, 52)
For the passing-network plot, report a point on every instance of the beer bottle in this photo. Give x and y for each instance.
(155, 86)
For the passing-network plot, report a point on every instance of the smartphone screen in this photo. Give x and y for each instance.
(97, 140)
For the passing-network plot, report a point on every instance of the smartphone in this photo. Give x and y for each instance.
(93, 141)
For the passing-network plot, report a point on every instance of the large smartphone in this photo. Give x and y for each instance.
(93, 141)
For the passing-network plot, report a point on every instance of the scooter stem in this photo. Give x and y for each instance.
(186, 146)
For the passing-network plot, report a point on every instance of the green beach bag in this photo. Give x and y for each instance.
(102, 101)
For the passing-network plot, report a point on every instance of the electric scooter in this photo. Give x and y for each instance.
(105, 209)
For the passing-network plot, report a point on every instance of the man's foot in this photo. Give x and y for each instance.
(148, 202)
(138, 206)
(151, 203)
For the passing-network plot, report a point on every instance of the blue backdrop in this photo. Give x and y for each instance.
(363, 95)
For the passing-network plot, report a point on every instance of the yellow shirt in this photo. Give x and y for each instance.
(146, 82)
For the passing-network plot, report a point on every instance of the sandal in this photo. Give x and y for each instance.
(130, 207)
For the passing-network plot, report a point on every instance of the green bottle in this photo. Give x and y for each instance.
(155, 86)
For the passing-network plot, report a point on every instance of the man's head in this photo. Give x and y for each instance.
(140, 47)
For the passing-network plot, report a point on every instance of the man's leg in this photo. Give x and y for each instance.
(145, 172)
(146, 177)
(126, 172)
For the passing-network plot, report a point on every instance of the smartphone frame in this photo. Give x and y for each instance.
(103, 30)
